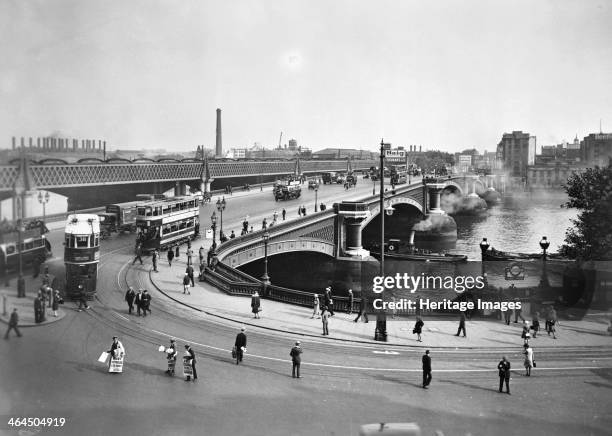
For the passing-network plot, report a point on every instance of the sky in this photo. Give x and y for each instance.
(446, 75)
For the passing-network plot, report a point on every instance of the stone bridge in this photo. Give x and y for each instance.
(337, 232)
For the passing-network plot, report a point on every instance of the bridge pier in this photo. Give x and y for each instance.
(351, 215)
(437, 226)
(491, 196)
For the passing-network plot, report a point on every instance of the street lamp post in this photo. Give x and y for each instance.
(544, 244)
(316, 192)
(20, 196)
(380, 334)
(43, 199)
(221, 207)
(213, 220)
(484, 246)
(265, 279)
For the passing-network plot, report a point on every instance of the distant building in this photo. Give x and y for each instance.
(551, 174)
(517, 150)
(343, 153)
(596, 149)
(293, 145)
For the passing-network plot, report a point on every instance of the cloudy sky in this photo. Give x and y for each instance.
(444, 74)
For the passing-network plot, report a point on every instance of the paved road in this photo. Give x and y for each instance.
(52, 371)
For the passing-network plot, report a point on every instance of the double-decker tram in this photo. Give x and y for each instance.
(168, 222)
(82, 255)
(34, 247)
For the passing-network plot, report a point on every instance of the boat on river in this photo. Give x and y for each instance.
(493, 254)
(423, 257)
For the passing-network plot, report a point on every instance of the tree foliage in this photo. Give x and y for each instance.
(591, 236)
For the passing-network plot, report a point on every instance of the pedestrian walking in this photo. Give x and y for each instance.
(508, 316)
(325, 320)
(240, 345)
(526, 335)
(328, 300)
(138, 254)
(255, 304)
(351, 300)
(529, 361)
(191, 359)
(264, 224)
(363, 304)
(461, 324)
(146, 302)
(517, 313)
(42, 294)
(232, 235)
(284, 213)
(138, 301)
(37, 309)
(209, 255)
(171, 354)
(13, 324)
(57, 299)
(535, 324)
(418, 328)
(189, 254)
(170, 256)
(177, 252)
(504, 374)
(300, 210)
(315, 309)
(130, 295)
(296, 359)
(155, 258)
(82, 298)
(304, 210)
(201, 254)
(189, 271)
(186, 282)
(116, 350)
(245, 225)
(426, 369)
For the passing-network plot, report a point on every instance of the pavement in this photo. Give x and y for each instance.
(437, 332)
(25, 306)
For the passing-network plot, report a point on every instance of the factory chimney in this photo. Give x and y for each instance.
(219, 145)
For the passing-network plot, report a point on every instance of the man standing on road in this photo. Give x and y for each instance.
(155, 257)
(351, 300)
(426, 369)
(138, 253)
(209, 256)
(186, 282)
(504, 374)
(130, 295)
(325, 320)
(13, 323)
(192, 359)
(82, 298)
(284, 213)
(240, 344)
(296, 359)
(461, 324)
(170, 256)
(362, 309)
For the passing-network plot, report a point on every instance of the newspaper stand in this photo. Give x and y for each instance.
(187, 368)
(171, 364)
(116, 364)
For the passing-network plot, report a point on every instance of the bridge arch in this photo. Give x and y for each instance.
(453, 187)
(255, 252)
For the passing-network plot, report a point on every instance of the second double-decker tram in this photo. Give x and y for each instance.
(82, 255)
(166, 223)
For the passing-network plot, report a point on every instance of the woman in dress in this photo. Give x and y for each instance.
(255, 304)
(528, 359)
(418, 328)
(316, 304)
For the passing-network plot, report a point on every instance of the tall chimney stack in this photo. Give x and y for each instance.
(219, 145)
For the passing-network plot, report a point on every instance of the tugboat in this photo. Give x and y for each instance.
(395, 249)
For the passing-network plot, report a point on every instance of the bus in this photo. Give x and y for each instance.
(119, 217)
(81, 255)
(166, 223)
(399, 174)
(35, 248)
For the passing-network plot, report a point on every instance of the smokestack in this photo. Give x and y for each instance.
(420, 148)
(219, 145)
(14, 143)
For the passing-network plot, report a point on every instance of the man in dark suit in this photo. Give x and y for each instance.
(240, 344)
(192, 360)
(138, 254)
(461, 324)
(138, 302)
(13, 323)
(329, 302)
(426, 369)
(189, 271)
(504, 374)
(363, 305)
(130, 295)
(146, 302)
(296, 359)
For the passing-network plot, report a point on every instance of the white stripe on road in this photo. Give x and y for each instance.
(362, 368)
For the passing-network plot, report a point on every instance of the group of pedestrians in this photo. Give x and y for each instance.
(140, 299)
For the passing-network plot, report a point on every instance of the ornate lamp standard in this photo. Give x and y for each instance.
(213, 221)
(316, 192)
(19, 193)
(221, 207)
(265, 278)
(380, 334)
(43, 199)
(544, 244)
(484, 246)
